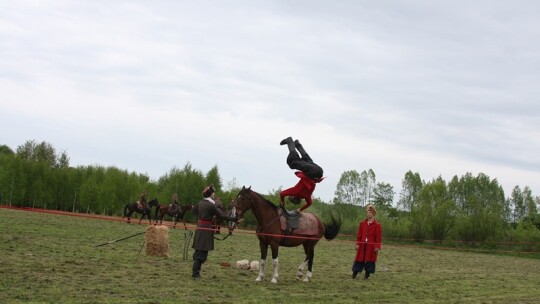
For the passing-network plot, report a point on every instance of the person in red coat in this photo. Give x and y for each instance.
(368, 244)
(309, 173)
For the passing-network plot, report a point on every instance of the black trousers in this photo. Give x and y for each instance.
(304, 164)
(199, 257)
(369, 267)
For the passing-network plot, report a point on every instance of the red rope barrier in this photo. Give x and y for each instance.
(190, 226)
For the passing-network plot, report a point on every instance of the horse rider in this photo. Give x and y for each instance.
(309, 173)
(204, 235)
(143, 201)
(175, 206)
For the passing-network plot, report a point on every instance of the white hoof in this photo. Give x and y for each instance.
(274, 280)
(258, 279)
(307, 279)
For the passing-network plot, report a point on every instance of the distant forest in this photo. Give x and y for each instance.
(465, 211)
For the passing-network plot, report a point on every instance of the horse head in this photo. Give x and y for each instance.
(185, 209)
(153, 203)
(243, 202)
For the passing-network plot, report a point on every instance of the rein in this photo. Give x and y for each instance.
(232, 225)
(259, 230)
(224, 238)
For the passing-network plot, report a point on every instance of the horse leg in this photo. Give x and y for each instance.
(309, 249)
(142, 216)
(158, 212)
(161, 215)
(262, 266)
(129, 216)
(275, 262)
(300, 272)
(181, 217)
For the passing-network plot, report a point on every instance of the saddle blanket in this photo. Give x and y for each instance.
(308, 224)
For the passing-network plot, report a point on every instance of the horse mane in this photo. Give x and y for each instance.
(264, 199)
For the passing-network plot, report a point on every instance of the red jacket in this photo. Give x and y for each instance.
(303, 189)
(366, 250)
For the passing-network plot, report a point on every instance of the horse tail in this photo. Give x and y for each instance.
(331, 229)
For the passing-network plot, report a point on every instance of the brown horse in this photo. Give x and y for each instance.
(129, 208)
(270, 232)
(176, 213)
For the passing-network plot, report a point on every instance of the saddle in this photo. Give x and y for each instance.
(174, 209)
(141, 206)
(298, 222)
(292, 218)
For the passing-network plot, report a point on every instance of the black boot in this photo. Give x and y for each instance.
(290, 145)
(286, 141)
(196, 273)
(300, 149)
(354, 274)
(366, 276)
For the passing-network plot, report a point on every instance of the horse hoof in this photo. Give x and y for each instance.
(258, 279)
(274, 280)
(306, 279)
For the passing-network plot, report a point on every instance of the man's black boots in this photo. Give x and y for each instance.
(300, 149)
(196, 269)
(290, 144)
(286, 141)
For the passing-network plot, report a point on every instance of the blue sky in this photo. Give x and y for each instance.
(439, 88)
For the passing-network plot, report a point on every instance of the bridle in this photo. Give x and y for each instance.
(259, 229)
(231, 226)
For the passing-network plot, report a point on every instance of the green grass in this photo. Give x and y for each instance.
(53, 259)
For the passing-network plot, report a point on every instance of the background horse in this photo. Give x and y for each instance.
(176, 213)
(270, 233)
(133, 207)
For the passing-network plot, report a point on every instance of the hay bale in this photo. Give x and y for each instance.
(157, 241)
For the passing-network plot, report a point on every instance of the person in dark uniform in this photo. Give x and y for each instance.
(143, 201)
(175, 205)
(204, 235)
(309, 173)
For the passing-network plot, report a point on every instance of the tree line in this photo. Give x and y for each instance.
(467, 210)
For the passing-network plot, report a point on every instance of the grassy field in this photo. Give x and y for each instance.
(53, 259)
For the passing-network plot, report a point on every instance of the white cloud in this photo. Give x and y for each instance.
(436, 88)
